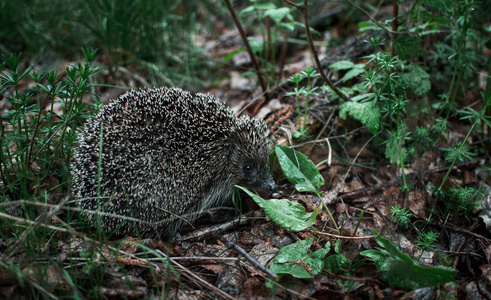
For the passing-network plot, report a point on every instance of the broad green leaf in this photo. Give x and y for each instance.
(367, 113)
(299, 170)
(342, 65)
(366, 26)
(231, 55)
(288, 26)
(400, 270)
(278, 14)
(316, 260)
(347, 91)
(365, 97)
(357, 70)
(261, 6)
(335, 262)
(285, 213)
(256, 45)
(396, 150)
(295, 260)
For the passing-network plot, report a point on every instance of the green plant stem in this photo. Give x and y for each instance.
(395, 13)
(401, 161)
(461, 46)
(332, 218)
(438, 191)
(306, 102)
(5, 179)
(249, 49)
(358, 223)
(303, 9)
(38, 124)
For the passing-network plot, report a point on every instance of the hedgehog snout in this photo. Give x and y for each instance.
(269, 185)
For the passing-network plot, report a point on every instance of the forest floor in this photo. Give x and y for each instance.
(368, 199)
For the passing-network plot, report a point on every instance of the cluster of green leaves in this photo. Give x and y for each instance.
(303, 93)
(296, 259)
(37, 140)
(38, 135)
(381, 102)
(272, 21)
(402, 216)
(427, 241)
(398, 269)
(397, 87)
(156, 37)
(464, 201)
(301, 172)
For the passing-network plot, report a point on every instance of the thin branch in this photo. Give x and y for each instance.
(345, 237)
(249, 49)
(303, 10)
(246, 255)
(375, 21)
(38, 122)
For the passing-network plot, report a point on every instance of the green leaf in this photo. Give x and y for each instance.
(400, 270)
(367, 113)
(285, 213)
(347, 91)
(335, 262)
(316, 260)
(357, 70)
(366, 26)
(299, 170)
(256, 45)
(231, 55)
(365, 97)
(342, 65)
(396, 150)
(261, 6)
(294, 260)
(278, 14)
(418, 80)
(407, 46)
(441, 5)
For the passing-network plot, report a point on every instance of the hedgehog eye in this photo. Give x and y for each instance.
(247, 168)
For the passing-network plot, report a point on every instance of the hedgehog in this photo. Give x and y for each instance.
(153, 160)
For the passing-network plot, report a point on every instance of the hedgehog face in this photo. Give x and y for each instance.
(250, 159)
(254, 175)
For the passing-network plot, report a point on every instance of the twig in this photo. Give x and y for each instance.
(303, 10)
(364, 187)
(246, 255)
(39, 222)
(203, 233)
(375, 21)
(358, 154)
(346, 237)
(195, 278)
(249, 49)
